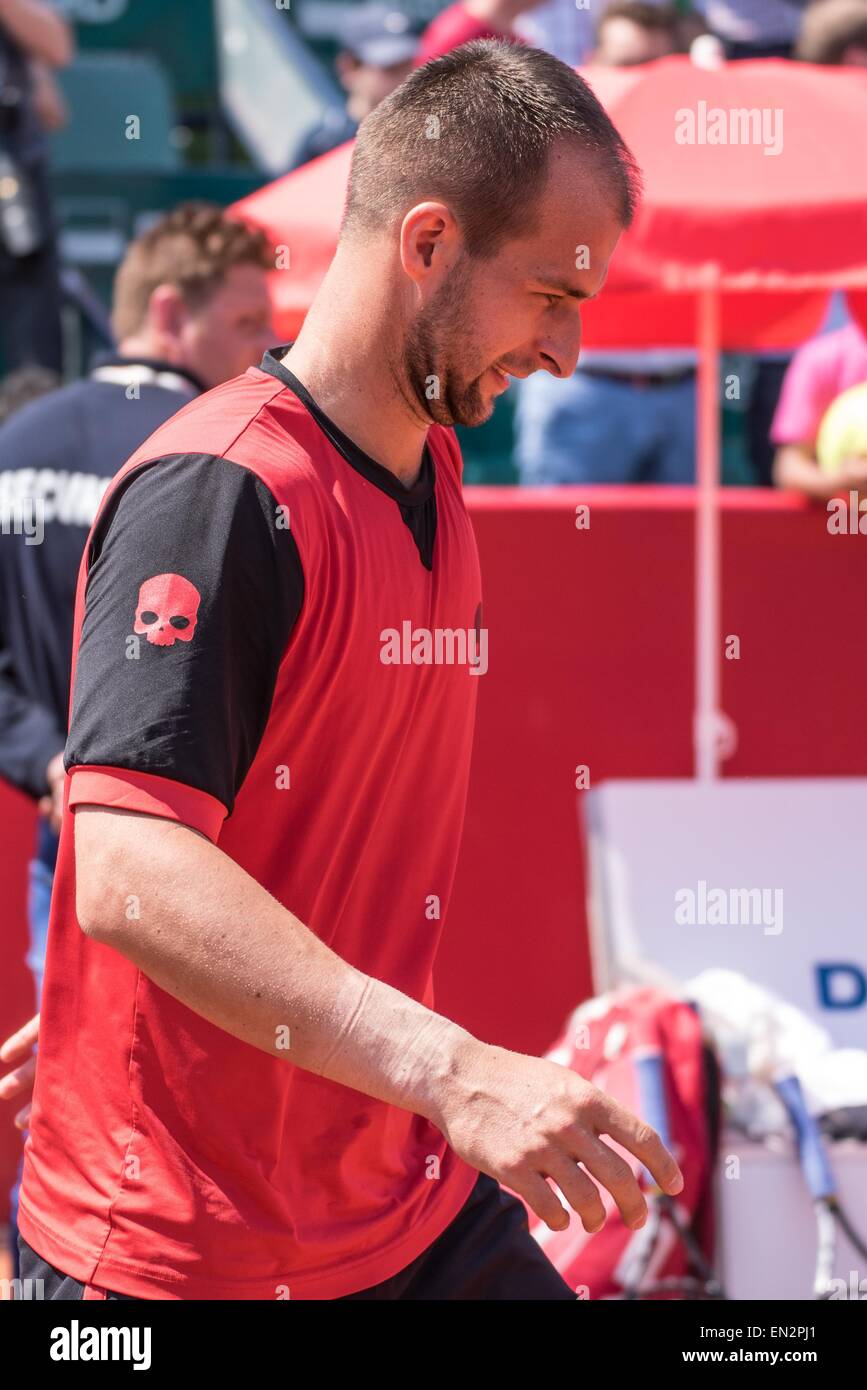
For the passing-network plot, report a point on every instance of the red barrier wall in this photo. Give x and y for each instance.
(590, 662)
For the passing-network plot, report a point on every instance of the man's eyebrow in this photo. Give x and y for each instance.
(555, 283)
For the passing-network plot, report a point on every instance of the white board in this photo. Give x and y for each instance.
(787, 858)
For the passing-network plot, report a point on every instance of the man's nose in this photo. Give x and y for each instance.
(559, 355)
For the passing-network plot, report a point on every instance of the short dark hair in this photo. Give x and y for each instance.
(193, 248)
(475, 128)
(829, 28)
(659, 19)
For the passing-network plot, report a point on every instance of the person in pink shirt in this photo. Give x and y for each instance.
(470, 19)
(818, 373)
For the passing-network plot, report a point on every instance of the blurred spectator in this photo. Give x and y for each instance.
(48, 99)
(23, 386)
(471, 19)
(622, 417)
(834, 32)
(820, 371)
(33, 39)
(754, 28)
(561, 28)
(571, 34)
(379, 46)
(191, 309)
(635, 31)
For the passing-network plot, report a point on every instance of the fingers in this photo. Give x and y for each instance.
(642, 1141)
(18, 1046)
(544, 1201)
(616, 1176)
(580, 1192)
(22, 1119)
(18, 1082)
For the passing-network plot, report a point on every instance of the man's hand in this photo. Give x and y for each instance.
(795, 466)
(39, 30)
(19, 1083)
(524, 1119)
(851, 474)
(51, 806)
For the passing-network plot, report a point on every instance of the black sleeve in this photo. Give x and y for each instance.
(193, 590)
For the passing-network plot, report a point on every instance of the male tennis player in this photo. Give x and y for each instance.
(243, 1091)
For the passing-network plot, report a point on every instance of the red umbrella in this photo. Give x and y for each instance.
(783, 227)
(755, 176)
(755, 207)
(301, 212)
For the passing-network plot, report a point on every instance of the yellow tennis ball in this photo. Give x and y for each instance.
(843, 431)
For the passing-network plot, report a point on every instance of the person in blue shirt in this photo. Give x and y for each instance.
(191, 309)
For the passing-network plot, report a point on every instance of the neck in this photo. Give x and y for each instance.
(143, 346)
(348, 356)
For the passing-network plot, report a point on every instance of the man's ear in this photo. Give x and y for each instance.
(167, 310)
(427, 230)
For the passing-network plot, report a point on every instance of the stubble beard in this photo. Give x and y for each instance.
(436, 384)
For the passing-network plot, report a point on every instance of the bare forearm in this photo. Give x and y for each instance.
(37, 29)
(208, 934)
(795, 468)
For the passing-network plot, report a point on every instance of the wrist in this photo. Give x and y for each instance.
(441, 1083)
(389, 1045)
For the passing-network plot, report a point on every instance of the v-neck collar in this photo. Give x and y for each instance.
(374, 472)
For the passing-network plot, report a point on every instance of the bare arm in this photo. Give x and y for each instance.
(795, 467)
(214, 939)
(39, 30)
(47, 97)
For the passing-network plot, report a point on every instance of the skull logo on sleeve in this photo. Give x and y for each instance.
(167, 609)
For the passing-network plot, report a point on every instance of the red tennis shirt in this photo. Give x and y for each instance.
(236, 669)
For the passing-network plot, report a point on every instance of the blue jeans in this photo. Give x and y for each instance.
(38, 906)
(594, 429)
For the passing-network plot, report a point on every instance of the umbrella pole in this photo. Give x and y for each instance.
(706, 724)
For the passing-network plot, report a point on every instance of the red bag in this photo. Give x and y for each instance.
(602, 1041)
